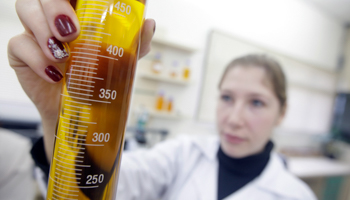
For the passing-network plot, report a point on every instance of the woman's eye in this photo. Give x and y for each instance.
(257, 103)
(226, 98)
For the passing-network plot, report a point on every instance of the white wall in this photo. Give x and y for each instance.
(10, 26)
(292, 27)
(310, 91)
(14, 103)
(344, 74)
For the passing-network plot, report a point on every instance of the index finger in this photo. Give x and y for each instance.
(62, 19)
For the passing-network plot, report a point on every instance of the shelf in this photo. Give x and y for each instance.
(148, 82)
(164, 42)
(166, 115)
(163, 78)
(153, 113)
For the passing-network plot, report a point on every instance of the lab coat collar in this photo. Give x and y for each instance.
(273, 180)
(276, 179)
(276, 173)
(209, 146)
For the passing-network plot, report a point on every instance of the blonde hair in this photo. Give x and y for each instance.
(272, 68)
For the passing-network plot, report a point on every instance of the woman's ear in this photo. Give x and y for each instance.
(281, 115)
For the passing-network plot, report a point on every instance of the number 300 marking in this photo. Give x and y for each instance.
(100, 137)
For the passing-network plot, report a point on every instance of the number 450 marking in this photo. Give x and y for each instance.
(122, 7)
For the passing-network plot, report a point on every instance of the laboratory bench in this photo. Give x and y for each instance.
(328, 178)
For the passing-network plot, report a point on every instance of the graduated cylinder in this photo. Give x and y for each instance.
(95, 100)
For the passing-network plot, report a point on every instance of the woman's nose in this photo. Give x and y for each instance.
(236, 115)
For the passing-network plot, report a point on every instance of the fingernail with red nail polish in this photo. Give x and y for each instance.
(53, 73)
(64, 25)
(57, 49)
(154, 28)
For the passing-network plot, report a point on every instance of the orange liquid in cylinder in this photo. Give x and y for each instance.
(94, 104)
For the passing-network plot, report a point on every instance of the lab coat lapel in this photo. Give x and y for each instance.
(251, 192)
(205, 179)
(206, 174)
(242, 194)
(264, 186)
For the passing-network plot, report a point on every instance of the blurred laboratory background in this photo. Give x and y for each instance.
(176, 83)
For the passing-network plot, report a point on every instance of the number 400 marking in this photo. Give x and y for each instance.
(116, 51)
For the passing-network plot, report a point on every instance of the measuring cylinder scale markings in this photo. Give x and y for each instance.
(95, 100)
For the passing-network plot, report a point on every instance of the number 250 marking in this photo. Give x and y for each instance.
(93, 179)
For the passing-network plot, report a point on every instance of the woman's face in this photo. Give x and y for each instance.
(247, 111)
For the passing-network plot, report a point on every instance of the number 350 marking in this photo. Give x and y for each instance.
(107, 94)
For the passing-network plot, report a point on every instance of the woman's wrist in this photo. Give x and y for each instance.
(49, 129)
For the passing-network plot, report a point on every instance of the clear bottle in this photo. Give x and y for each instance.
(174, 69)
(95, 100)
(142, 119)
(157, 65)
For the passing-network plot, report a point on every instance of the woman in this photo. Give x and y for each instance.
(237, 165)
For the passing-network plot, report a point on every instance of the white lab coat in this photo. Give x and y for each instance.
(16, 166)
(187, 169)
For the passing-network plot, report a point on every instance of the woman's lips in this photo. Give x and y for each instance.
(233, 139)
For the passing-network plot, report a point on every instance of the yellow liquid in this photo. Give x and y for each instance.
(186, 73)
(159, 103)
(95, 101)
(170, 106)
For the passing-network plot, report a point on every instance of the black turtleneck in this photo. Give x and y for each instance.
(234, 173)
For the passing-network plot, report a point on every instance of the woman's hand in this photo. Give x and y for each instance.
(39, 69)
